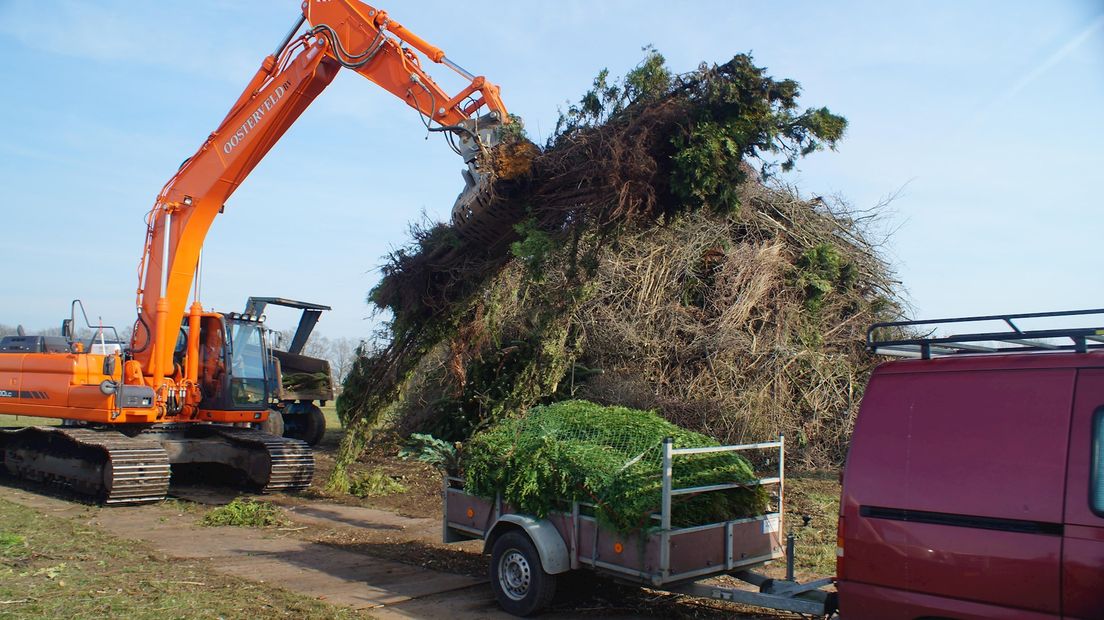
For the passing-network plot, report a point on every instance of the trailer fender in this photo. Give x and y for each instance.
(546, 538)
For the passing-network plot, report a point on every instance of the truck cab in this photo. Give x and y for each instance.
(974, 487)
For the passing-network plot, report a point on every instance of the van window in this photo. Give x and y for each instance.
(1096, 490)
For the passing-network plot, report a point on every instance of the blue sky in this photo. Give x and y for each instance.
(984, 118)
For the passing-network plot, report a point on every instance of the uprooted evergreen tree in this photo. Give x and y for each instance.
(652, 260)
(610, 457)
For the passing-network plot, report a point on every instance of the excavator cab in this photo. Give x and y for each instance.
(248, 364)
(233, 363)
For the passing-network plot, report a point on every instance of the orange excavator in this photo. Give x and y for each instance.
(190, 382)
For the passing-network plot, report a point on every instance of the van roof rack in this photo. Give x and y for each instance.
(899, 339)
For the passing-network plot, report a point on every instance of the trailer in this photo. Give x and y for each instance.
(527, 553)
(296, 412)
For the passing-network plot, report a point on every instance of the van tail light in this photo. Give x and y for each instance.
(839, 549)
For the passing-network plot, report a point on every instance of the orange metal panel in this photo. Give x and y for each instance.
(89, 397)
(210, 415)
(11, 370)
(47, 377)
(30, 409)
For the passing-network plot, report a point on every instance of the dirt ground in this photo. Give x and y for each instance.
(384, 555)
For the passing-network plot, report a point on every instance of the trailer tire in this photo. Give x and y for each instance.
(304, 421)
(518, 580)
(315, 423)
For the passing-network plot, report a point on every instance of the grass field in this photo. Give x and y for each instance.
(52, 567)
(333, 424)
(23, 420)
(814, 545)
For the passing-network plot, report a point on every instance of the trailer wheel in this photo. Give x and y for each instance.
(304, 421)
(315, 423)
(520, 585)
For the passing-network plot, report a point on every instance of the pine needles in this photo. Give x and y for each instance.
(305, 381)
(608, 456)
(245, 513)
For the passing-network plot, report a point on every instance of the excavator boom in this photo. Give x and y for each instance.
(341, 33)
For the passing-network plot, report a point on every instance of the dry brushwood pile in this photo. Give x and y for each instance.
(645, 261)
(610, 457)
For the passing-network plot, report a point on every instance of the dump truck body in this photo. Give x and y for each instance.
(291, 364)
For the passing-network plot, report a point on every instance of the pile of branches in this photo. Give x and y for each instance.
(487, 328)
(627, 155)
(744, 326)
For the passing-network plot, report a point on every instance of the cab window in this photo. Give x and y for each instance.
(248, 360)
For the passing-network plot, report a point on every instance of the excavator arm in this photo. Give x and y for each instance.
(340, 34)
(359, 34)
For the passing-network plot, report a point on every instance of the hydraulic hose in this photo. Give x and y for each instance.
(149, 333)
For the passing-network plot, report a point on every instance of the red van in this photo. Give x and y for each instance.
(974, 487)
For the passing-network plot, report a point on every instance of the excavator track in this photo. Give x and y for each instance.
(260, 461)
(116, 469)
(291, 461)
(106, 465)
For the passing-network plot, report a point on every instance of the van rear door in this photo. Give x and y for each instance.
(954, 491)
(986, 478)
(1083, 541)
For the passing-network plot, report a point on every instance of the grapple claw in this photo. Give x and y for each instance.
(479, 214)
